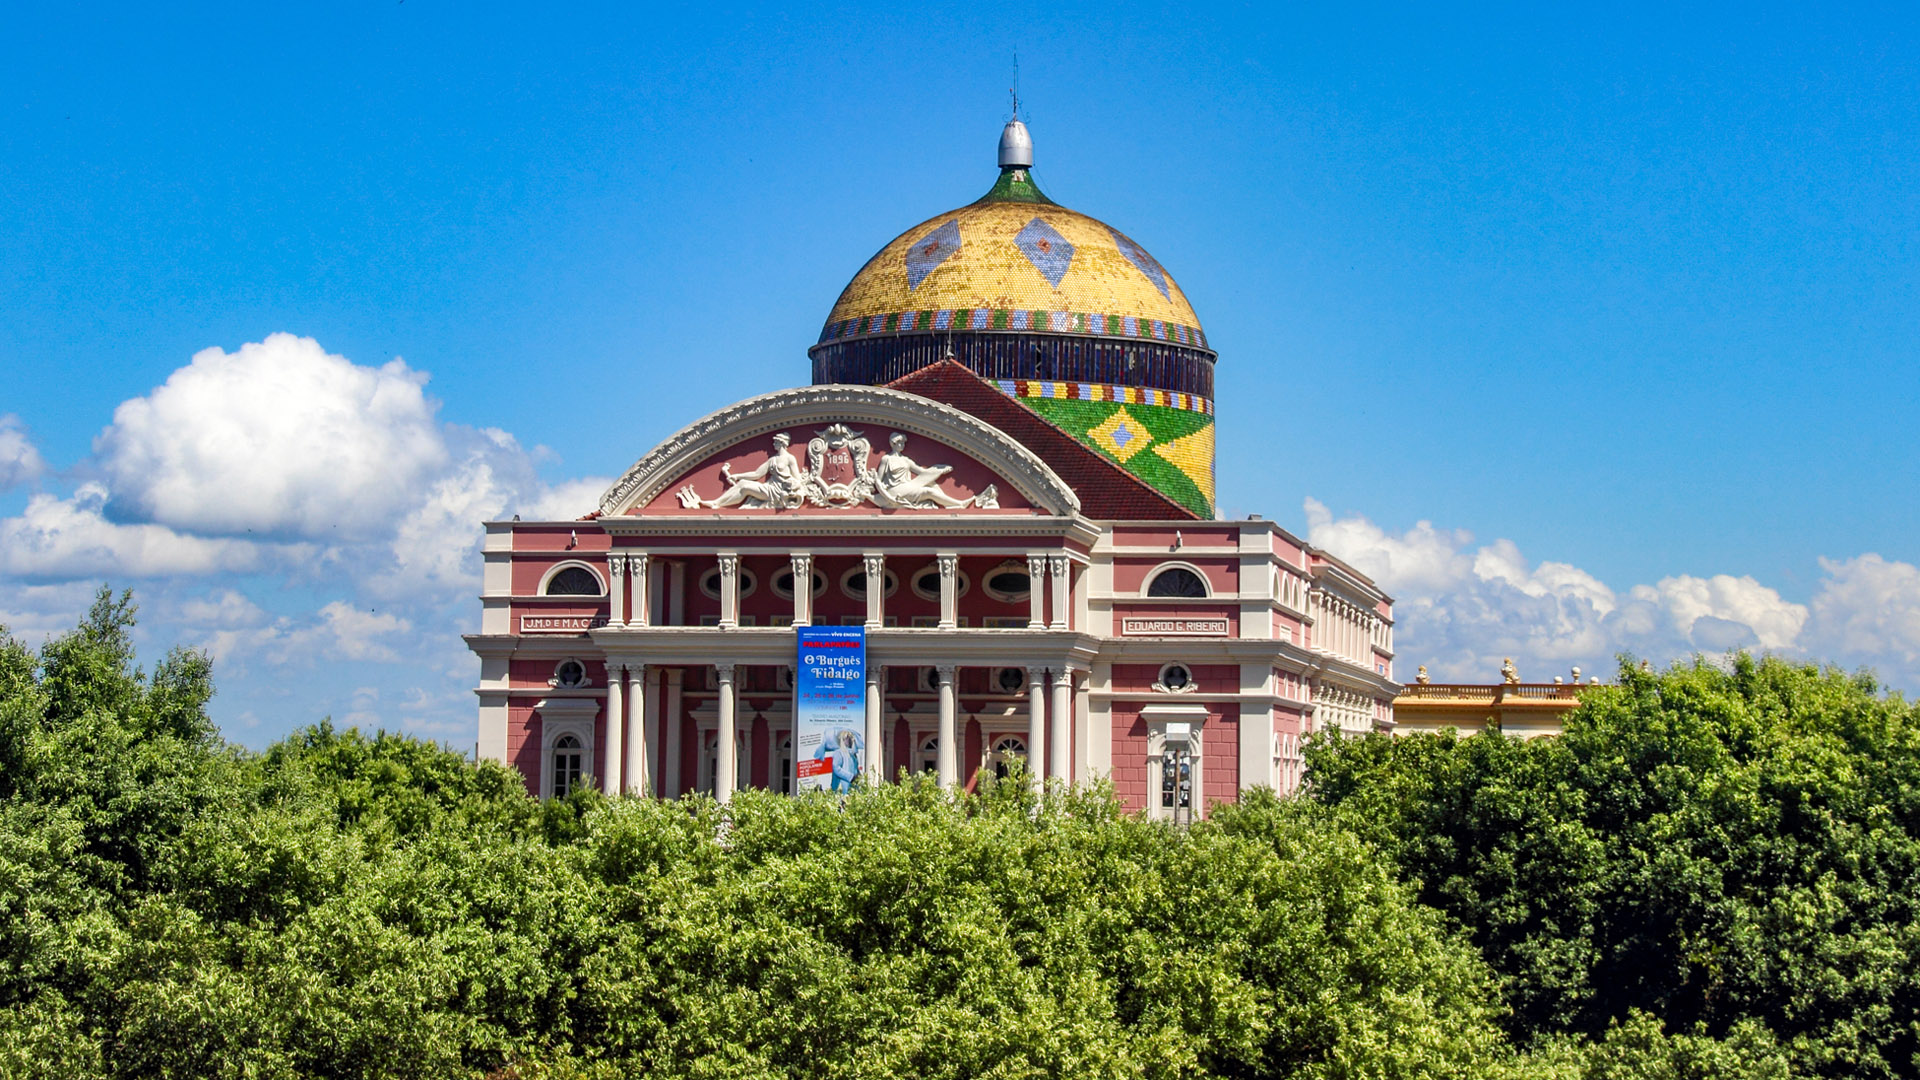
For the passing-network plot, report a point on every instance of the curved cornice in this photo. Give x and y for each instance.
(892, 409)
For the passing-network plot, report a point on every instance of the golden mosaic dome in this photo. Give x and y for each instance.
(1050, 306)
(1015, 261)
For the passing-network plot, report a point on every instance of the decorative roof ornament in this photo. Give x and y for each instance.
(1508, 673)
(1016, 146)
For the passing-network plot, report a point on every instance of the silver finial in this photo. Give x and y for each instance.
(1016, 146)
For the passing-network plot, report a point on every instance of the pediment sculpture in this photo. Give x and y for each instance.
(840, 474)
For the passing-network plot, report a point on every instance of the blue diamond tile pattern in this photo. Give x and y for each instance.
(1048, 251)
(1142, 261)
(1122, 436)
(930, 251)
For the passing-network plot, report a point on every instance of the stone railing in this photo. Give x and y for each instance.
(1493, 694)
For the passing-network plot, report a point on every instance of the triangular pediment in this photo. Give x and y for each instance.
(840, 450)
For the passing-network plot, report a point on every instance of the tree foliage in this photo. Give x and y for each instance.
(1711, 875)
(346, 905)
(1732, 849)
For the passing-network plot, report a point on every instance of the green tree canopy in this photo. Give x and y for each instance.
(346, 905)
(1713, 845)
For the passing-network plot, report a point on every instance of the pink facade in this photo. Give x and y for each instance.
(633, 647)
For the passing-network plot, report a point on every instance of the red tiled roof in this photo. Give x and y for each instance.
(1107, 491)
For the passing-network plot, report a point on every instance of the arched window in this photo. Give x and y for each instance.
(785, 783)
(1177, 581)
(930, 754)
(1006, 750)
(569, 765)
(573, 581)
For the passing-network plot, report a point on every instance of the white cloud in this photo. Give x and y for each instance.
(279, 438)
(284, 467)
(1869, 608)
(71, 538)
(566, 501)
(1461, 610)
(19, 461)
(34, 613)
(236, 631)
(1718, 613)
(436, 541)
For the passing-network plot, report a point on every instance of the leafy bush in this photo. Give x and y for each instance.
(347, 905)
(1731, 849)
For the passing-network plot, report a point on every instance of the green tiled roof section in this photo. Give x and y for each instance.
(1016, 185)
(1165, 424)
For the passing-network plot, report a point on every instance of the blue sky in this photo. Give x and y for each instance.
(1584, 330)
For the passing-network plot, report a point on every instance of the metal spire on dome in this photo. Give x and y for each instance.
(1016, 146)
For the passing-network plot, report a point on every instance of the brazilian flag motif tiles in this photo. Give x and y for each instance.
(1162, 437)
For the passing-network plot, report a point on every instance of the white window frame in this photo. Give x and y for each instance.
(554, 571)
(1009, 567)
(890, 582)
(1146, 584)
(576, 716)
(749, 581)
(1158, 716)
(960, 582)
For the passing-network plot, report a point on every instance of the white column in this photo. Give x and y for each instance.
(616, 591)
(639, 781)
(637, 566)
(949, 757)
(876, 752)
(1036, 592)
(671, 716)
(616, 731)
(1057, 566)
(802, 563)
(729, 590)
(1037, 725)
(1060, 747)
(724, 763)
(876, 570)
(949, 590)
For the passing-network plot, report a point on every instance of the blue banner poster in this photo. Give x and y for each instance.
(829, 707)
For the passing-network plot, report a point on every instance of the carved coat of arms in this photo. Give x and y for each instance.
(840, 474)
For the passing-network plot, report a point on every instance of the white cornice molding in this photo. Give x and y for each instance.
(877, 405)
(868, 526)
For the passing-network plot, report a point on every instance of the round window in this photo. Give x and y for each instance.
(570, 673)
(1009, 583)
(1176, 677)
(783, 584)
(710, 582)
(854, 583)
(926, 583)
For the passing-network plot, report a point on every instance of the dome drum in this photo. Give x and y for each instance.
(874, 361)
